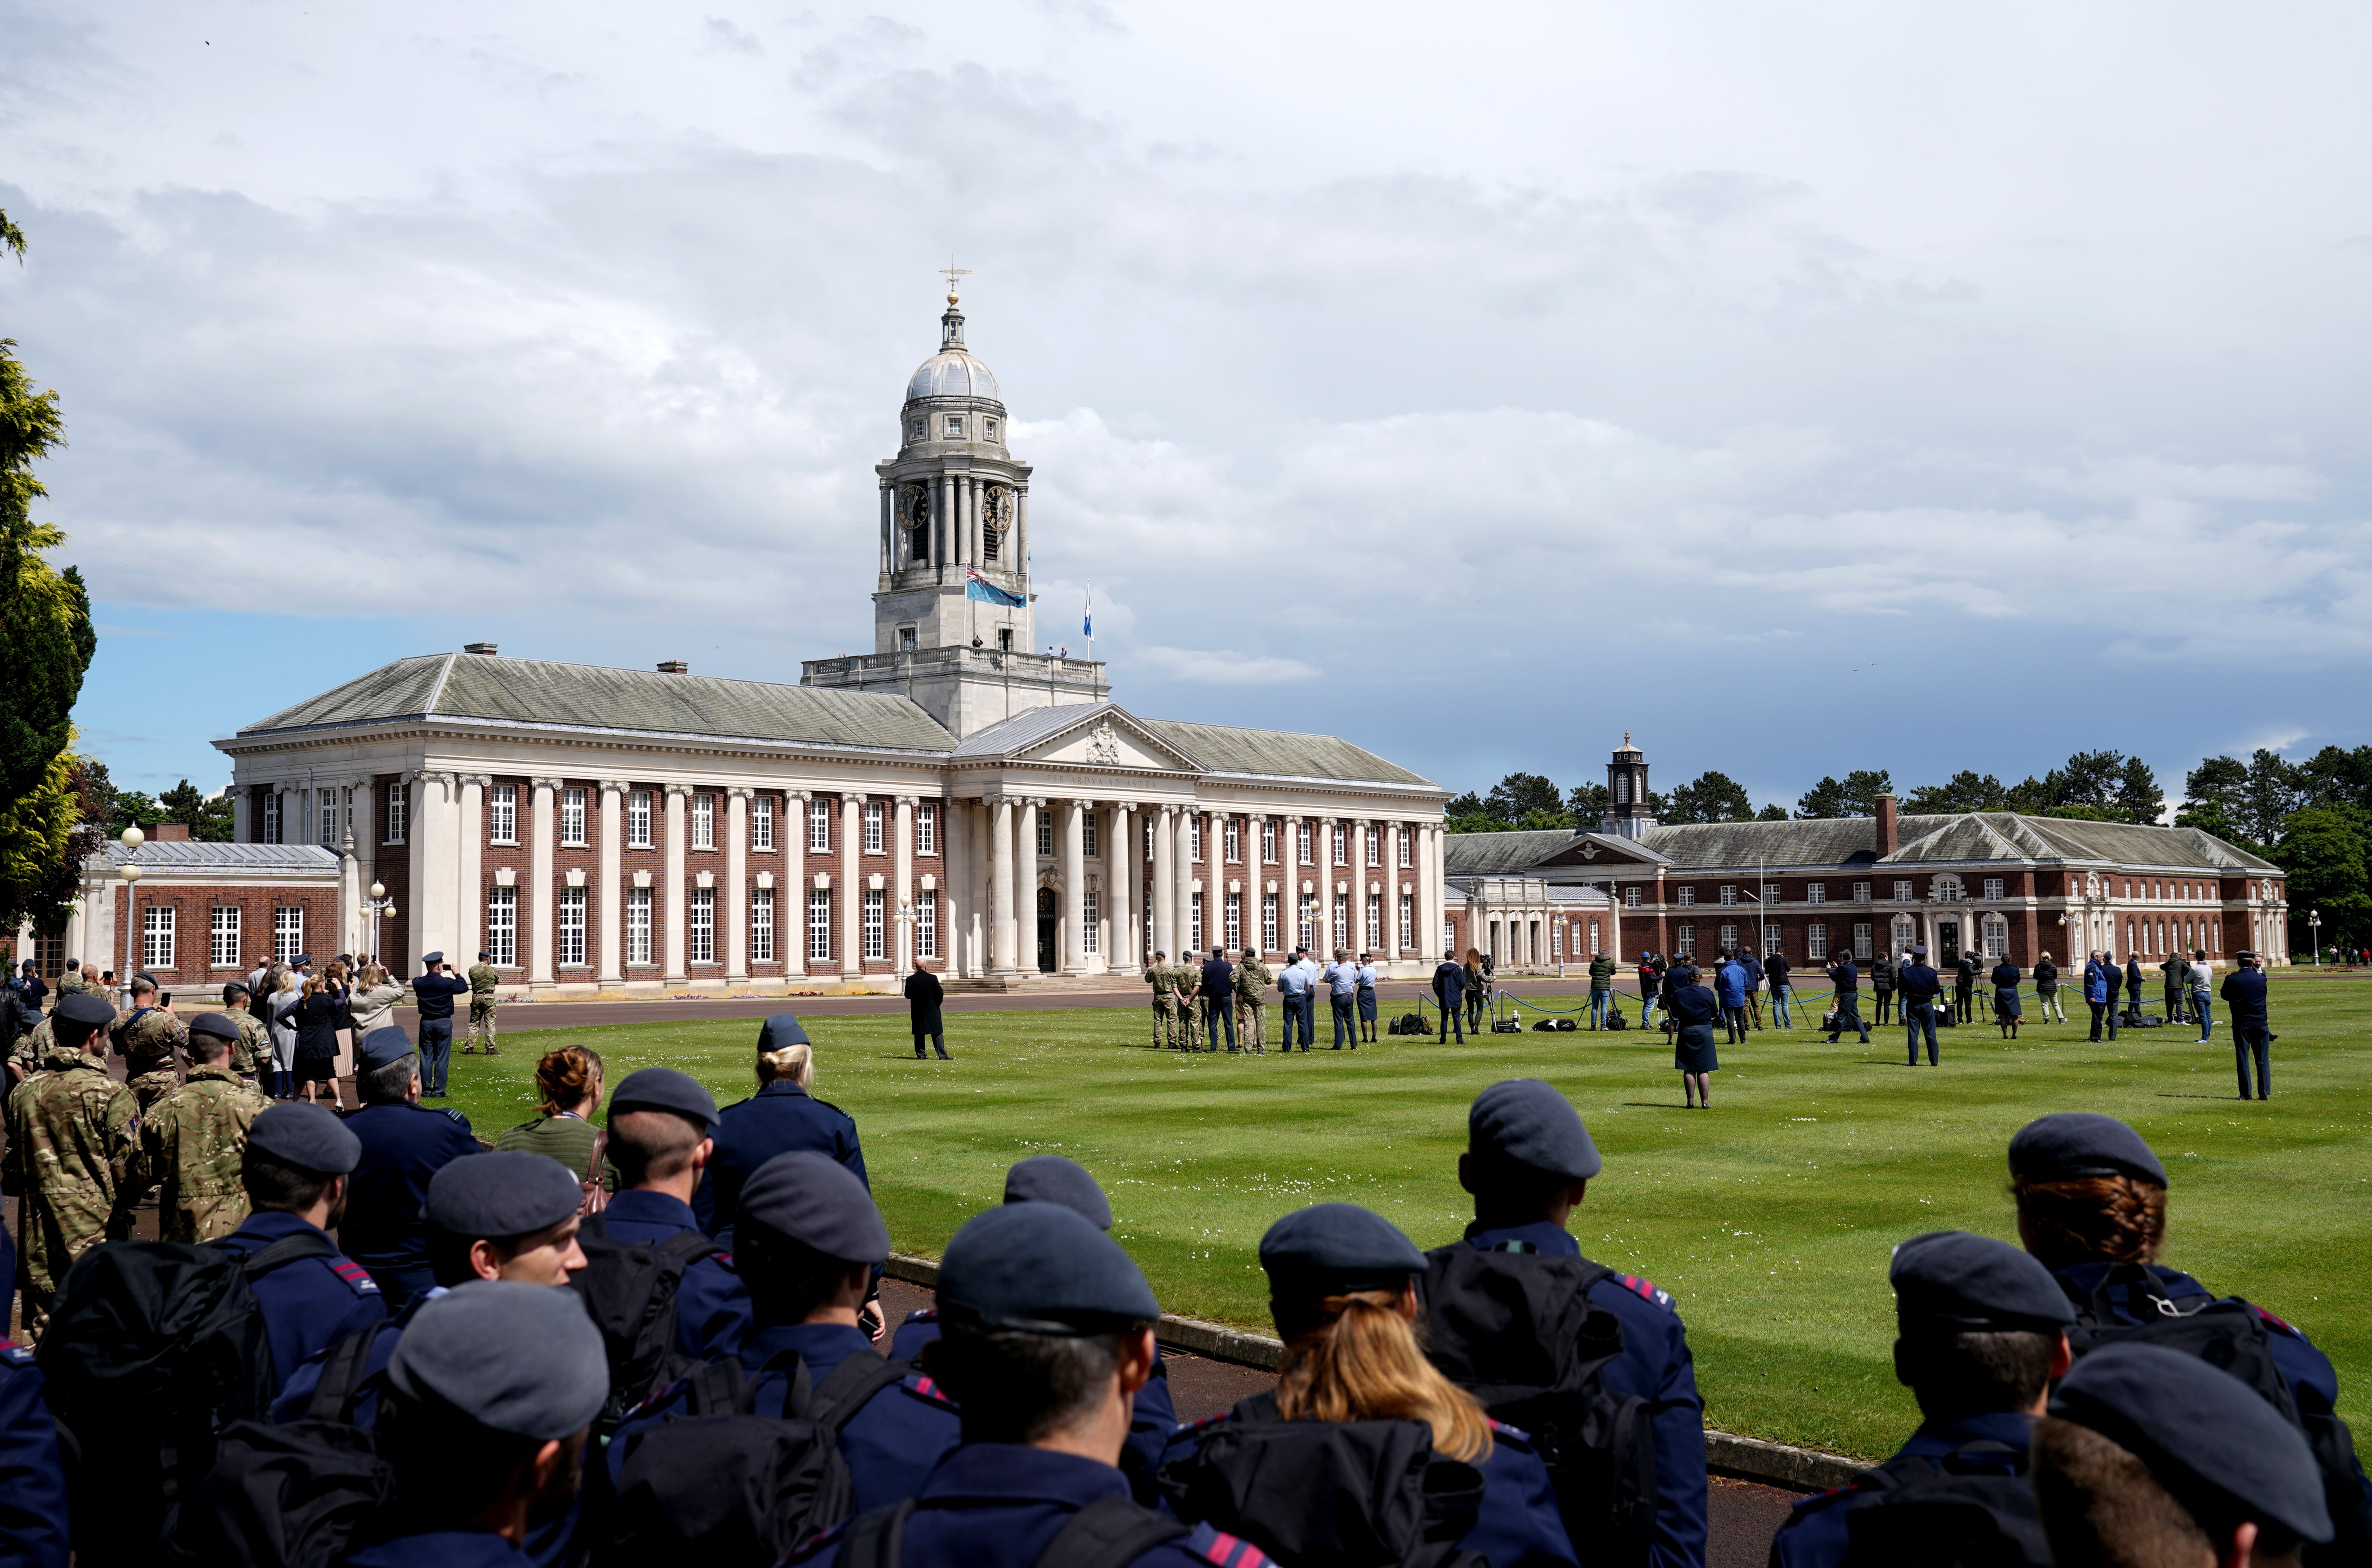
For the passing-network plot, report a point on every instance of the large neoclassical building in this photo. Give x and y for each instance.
(952, 800)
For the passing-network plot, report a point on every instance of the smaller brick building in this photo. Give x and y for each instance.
(201, 913)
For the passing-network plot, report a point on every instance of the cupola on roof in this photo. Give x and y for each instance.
(951, 372)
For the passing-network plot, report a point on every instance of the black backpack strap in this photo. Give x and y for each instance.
(856, 1379)
(684, 1249)
(343, 1371)
(879, 1538)
(716, 1388)
(306, 1243)
(1110, 1532)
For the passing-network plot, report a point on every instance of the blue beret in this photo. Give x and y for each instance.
(1953, 1280)
(2204, 1434)
(516, 1358)
(819, 1202)
(782, 1030)
(498, 1195)
(1337, 1247)
(1041, 1269)
(1525, 1123)
(215, 1026)
(2076, 1144)
(1050, 1178)
(382, 1045)
(664, 1088)
(309, 1136)
(80, 1008)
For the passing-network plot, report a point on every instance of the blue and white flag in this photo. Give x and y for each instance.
(1087, 617)
(979, 587)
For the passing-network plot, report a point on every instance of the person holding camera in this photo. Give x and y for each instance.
(435, 991)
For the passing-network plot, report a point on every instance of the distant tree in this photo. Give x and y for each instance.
(2327, 850)
(1774, 812)
(1474, 822)
(1519, 794)
(44, 613)
(45, 837)
(1466, 805)
(2122, 788)
(1709, 797)
(207, 817)
(1965, 791)
(2336, 777)
(2277, 789)
(2215, 794)
(1588, 804)
(1856, 796)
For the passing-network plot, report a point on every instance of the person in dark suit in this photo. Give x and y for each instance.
(1964, 988)
(2100, 992)
(2244, 1003)
(1922, 988)
(2133, 983)
(1450, 990)
(434, 991)
(1218, 993)
(1847, 980)
(924, 995)
(1695, 1010)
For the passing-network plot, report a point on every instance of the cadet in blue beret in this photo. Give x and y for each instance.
(1153, 1418)
(296, 1169)
(33, 1512)
(1049, 1332)
(2151, 1456)
(1983, 1331)
(659, 1144)
(491, 1392)
(807, 1248)
(404, 1144)
(1343, 1291)
(2091, 1206)
(1528, 1162)
(784, 1116)
(495, 1216)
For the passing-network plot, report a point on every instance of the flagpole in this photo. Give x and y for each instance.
(1089, 624)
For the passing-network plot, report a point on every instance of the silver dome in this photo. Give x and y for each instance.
(951, 373)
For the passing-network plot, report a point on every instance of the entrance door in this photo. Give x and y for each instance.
(1947, 944)
(1046, 955)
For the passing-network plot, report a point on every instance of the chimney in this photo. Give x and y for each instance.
(674, 666)
(485, 648)
(1888, 842)
(168, 833)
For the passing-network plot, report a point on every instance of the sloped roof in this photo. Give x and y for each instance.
(1500, 854)
(183, 856)
(539, 693)
(1269, 753)
(1831, 841)
(1022, 731)
(2069, 838)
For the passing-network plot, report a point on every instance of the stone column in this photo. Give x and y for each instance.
(1182, 880)
(541, 896)
(673, 905)
(901, 885)
(1025, 892)
(1122, 866)
(889, 529)
(797, 879)
(735, 893)
(291, 828)
(436, 828)
(242, 832)
(1071, 841)
(1000, 883)
(1328, 938)
(958, 891)
(1359, 869)
(611, 895)
(852, 844)
(1164, 880)
(350, 903)
(468, 871)
(1288, 903)
(367, 837)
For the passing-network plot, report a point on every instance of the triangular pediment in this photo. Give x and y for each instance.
(1601, 849)
(1086, 735)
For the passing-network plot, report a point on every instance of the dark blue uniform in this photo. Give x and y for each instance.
(1921, 987)
(442, 1549)
(1518, 1522)
(712, 1307)
(310, 1303)
(33, 1481)
(998, 1505)
(778, 1119)
(2244, 1000)
(1450, 990)
(1153, 1418)
(404, 1145)
(434, 993)
(1657, 1366)
(1816, 1534)
(890, 1445)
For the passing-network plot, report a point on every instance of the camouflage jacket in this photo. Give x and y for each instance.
(73, 1142)
(190, 1143)
(148, 1039)
(1252, 980)
(29, 1051)
(254, 1042)
(1163, 979)
(69, 983)
(484, 978)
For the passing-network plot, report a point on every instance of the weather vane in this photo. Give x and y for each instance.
(953, 272)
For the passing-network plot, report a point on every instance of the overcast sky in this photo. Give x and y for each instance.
(1800, 387)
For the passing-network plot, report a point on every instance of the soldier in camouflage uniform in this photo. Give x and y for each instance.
(149, 1038)
(254, 1043)
(25, 1058)
(70, 982)
(484, 978)
(191, 1140)
(72, 1150)
(1252, 980)
(1164, 981)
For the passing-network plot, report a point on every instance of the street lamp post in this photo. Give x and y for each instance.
(129, 871)
(905, 933)
(2314, 923)
(378, 907)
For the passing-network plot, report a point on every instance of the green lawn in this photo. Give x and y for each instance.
(1769, 1219)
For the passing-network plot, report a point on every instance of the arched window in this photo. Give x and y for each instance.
(1947, 889)
(1622, 789)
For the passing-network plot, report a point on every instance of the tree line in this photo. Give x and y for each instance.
(2313, 819)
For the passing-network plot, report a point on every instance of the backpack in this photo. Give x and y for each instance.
(1329, 1494)
(298, 1494)
(629, 1288)
(1517, 1331)
(153, 1349)
(2231, 1334)
(1110, 1532)
(1946, 1513)
(1409, 1024)
(719, 1483)
(1615, 1020)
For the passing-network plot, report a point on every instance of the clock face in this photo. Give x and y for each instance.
(996, 506)
(914, 509)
